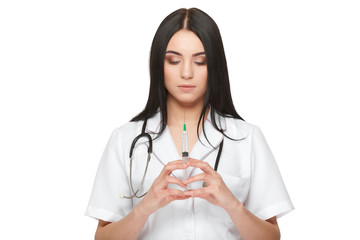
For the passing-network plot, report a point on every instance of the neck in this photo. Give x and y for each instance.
(175, 113)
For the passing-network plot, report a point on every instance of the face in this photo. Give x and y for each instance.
(185, 69)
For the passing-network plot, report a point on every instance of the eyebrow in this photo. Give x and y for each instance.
(179, 54)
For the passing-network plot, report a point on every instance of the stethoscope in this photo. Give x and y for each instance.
(143, 134)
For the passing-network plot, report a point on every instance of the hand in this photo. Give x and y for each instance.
(159, 195)
(215, 191)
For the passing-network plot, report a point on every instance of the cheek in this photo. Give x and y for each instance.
(203, 78)
(169, 75)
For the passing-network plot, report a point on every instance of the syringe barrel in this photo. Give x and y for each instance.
(185, 146)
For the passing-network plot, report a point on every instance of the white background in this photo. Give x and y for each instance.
(71, 71)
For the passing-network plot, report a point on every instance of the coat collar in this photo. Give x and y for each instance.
(164, 147)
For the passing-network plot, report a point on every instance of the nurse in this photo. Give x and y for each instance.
(189, 82)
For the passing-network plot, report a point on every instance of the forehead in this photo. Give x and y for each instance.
(185, 41)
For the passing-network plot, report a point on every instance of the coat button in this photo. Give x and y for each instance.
(188, 236)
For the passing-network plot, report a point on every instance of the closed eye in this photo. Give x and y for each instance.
(200, 63)
(200, 60)
(173, 62)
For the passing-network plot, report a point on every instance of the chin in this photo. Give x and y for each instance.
(186, 99)
(189, 102)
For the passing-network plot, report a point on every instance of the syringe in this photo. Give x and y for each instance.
(185, 145)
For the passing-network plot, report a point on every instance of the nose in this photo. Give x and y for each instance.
(187, 70)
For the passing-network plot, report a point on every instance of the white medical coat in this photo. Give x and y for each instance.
(247, 167)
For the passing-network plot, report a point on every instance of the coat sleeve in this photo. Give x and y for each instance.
(110, 182)
(267, 195)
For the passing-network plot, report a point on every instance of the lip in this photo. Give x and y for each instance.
(186, 87)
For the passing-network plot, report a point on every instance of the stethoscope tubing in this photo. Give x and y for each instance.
(144, 134)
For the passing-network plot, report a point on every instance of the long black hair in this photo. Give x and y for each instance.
(218, 94)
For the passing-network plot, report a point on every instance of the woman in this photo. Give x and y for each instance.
(189, 83)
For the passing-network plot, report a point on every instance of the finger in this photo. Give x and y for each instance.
(174, 193)
(174, 180)
(200, 164)
(175, 161)
(171, 166)
(163, 180)
(198, 177)
(172, 198)
(197, 192)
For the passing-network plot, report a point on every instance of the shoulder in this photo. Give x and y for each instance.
(249, 133)
(128, 127)
(126, 131)
(239, 129)
(133, 129)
